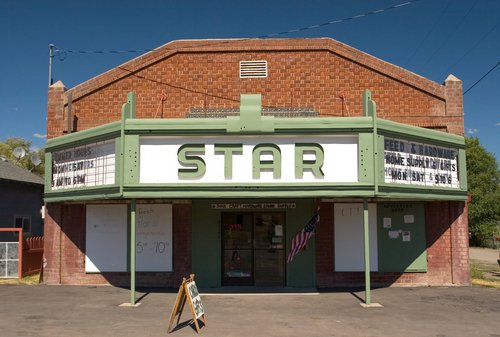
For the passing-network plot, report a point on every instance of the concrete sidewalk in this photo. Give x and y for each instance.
(484, 255)
(485, 261)
(93, 311)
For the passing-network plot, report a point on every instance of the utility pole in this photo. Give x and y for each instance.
(51, 56)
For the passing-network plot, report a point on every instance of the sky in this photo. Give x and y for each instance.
(432, 38)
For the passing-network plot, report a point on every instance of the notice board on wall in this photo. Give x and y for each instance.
(154, 237)
(403, 246)
(106, 240)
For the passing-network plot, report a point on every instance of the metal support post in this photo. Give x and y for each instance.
(132, 251)
(367, 253)
(51, 56)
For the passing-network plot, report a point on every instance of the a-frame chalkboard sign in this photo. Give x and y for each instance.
(187, 291)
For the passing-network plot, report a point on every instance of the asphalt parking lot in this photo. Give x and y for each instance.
(94, 311)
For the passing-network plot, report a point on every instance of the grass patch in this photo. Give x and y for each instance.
(480, 275)
(27, 280)
(475, 272)
(486, 283)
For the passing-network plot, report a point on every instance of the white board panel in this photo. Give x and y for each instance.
(159, 159)
(106, 240)
(349, 237)
(154, 237)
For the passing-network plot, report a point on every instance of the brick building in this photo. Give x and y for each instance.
(229, 147)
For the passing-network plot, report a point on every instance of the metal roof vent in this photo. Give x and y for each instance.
(253, 69)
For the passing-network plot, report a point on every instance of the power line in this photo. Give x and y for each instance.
(62, 53)
(354, 17)
(103, 51)
(378, 11)
(455, 29)
(472, 48)
(428, 33)
(174, 86)
(479, 80)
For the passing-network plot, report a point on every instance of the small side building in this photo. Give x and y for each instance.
(21, 199)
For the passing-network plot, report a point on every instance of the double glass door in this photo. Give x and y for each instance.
(253, 248)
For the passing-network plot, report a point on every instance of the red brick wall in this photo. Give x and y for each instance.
(460, 238)
(302, 73)
(52, 233)
(447, 251)
(55, 110)
(65, 250)
(324, 246)
(446, 263)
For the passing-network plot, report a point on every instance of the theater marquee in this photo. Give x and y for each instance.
(85, 166)
(413, 163)
(290, 159)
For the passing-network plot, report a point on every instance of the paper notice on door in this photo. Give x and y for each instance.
(393, 234)
(409, 218)
(406, 236)
(387, 222)
(278, 230)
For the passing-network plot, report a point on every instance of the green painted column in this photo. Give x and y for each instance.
(128, 112)
(132, 251)
(370, 110)
(367, 252)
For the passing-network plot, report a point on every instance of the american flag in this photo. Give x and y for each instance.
(301, 238)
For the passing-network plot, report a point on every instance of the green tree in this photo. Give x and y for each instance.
(483, 179)
(7, 151)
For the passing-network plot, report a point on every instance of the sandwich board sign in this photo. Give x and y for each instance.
(188, 292)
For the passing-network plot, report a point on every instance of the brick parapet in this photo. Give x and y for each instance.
(257, 45)
(454, 103)
(311, 73)
(55, 109)
(313, 80)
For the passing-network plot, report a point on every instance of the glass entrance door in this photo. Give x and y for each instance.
(237, 252)
(253, 248)
(269, 252)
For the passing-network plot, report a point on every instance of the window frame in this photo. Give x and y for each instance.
(23, 217)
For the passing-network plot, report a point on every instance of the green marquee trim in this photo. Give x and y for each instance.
(369, 129)
(398, 130)
(107, 192)
(99, 133)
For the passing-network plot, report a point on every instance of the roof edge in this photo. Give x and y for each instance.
(246, 44)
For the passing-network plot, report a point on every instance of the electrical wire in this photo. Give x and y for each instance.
(103, 51)
(482, 77)
(471, 49)
(132, 73)
(428, 33)
(62, 52)
(454, 30)
(378, 11)
(359, 16)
